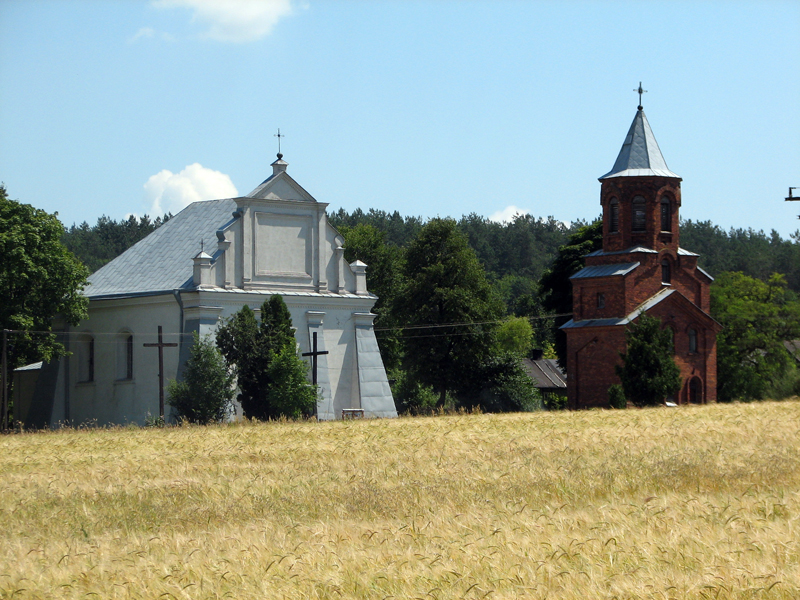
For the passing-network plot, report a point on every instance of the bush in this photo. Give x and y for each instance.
(502, 385)
(410, 396)
(616, 397)
(205, 393)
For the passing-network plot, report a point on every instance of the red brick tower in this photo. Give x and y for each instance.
(641, 268)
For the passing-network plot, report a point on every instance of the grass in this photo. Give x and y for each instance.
(699, 502)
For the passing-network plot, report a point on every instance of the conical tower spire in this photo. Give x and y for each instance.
(640, 155)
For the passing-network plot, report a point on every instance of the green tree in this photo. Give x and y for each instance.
(648, 373)
(501, 384)
(515, 335)
(270, 375)
(39, 279)
(450, 308)
(205, 393)
(555, 285)
(757, 317)
(367, 243)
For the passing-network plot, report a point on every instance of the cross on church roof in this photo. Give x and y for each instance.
(279, 136)
(640, 90)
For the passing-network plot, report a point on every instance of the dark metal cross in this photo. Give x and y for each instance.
(160, 345)
(641, 91)
(279, 136)
(314, 354)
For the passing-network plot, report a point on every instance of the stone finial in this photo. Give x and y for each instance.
(360, 271)
(201, 277)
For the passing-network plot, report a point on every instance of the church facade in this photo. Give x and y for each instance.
(191, 274)
(640, 269)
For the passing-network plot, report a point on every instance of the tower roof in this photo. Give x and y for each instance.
(640, 155)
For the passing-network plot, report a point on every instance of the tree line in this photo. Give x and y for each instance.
(459, 301)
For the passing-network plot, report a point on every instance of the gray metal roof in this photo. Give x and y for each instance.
(656, 298)
(545, 373)
(630, 250)
(605, 270)
(640, 155)
(163, 260)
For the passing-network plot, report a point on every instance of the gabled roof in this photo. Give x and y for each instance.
(645, 306)
(640, 155)
(605, 270)
(545, 373)
(162, 261)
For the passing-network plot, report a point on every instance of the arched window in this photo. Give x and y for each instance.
(85, 356)
(638, 214)
(601, 300)
(692, 340)
(613, 218)
(666, 271)
(666, 215)
(695, 391)
(671, 339)
(125, 356)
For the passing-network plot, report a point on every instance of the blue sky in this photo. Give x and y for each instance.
(425, 107)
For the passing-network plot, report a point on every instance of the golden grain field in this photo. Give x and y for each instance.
(699, 502)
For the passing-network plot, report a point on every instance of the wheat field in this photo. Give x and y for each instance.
(700, 502)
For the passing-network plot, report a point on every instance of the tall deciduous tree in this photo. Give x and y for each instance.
(648, 373)
(445, 285)
(555, 286)
(39, 279)
(271, 376)
(368, 244)
(757, 317)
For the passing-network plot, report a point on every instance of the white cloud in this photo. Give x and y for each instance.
(507, 214)
(233, 20)
(149, 32)
(172, 192)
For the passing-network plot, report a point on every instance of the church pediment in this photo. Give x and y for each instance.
(281, 187)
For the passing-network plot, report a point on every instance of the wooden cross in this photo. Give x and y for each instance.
(314, 354)
(641, 91)
(279, 136)
(160, 345)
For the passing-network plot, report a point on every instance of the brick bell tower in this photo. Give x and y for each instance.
(641, 268)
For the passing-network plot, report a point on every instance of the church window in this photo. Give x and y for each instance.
(613, 220)
(125, 356)
(638, 214)
(666, 271)
(692, 340)
(671, 339)
(666, 215)
(601, 300)
(85, 358)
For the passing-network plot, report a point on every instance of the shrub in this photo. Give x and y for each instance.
(616, 397)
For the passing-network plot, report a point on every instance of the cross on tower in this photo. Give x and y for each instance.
(160, 345)
(279, 136)
(641, 91)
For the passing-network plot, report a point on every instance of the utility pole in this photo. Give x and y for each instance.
(790, 198)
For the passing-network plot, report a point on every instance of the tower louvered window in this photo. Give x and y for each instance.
(638, 214)
(666, 215)
(613, 220)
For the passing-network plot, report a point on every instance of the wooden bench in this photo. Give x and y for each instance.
(352, 413)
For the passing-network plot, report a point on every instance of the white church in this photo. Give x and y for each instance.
(191, 274)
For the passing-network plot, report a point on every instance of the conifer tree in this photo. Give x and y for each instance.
(648, 373)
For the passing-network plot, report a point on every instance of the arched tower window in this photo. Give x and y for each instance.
(601, 300)
(666, 271)
(638, 214)
(666, 215)
(613, 216)
(692, 340)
